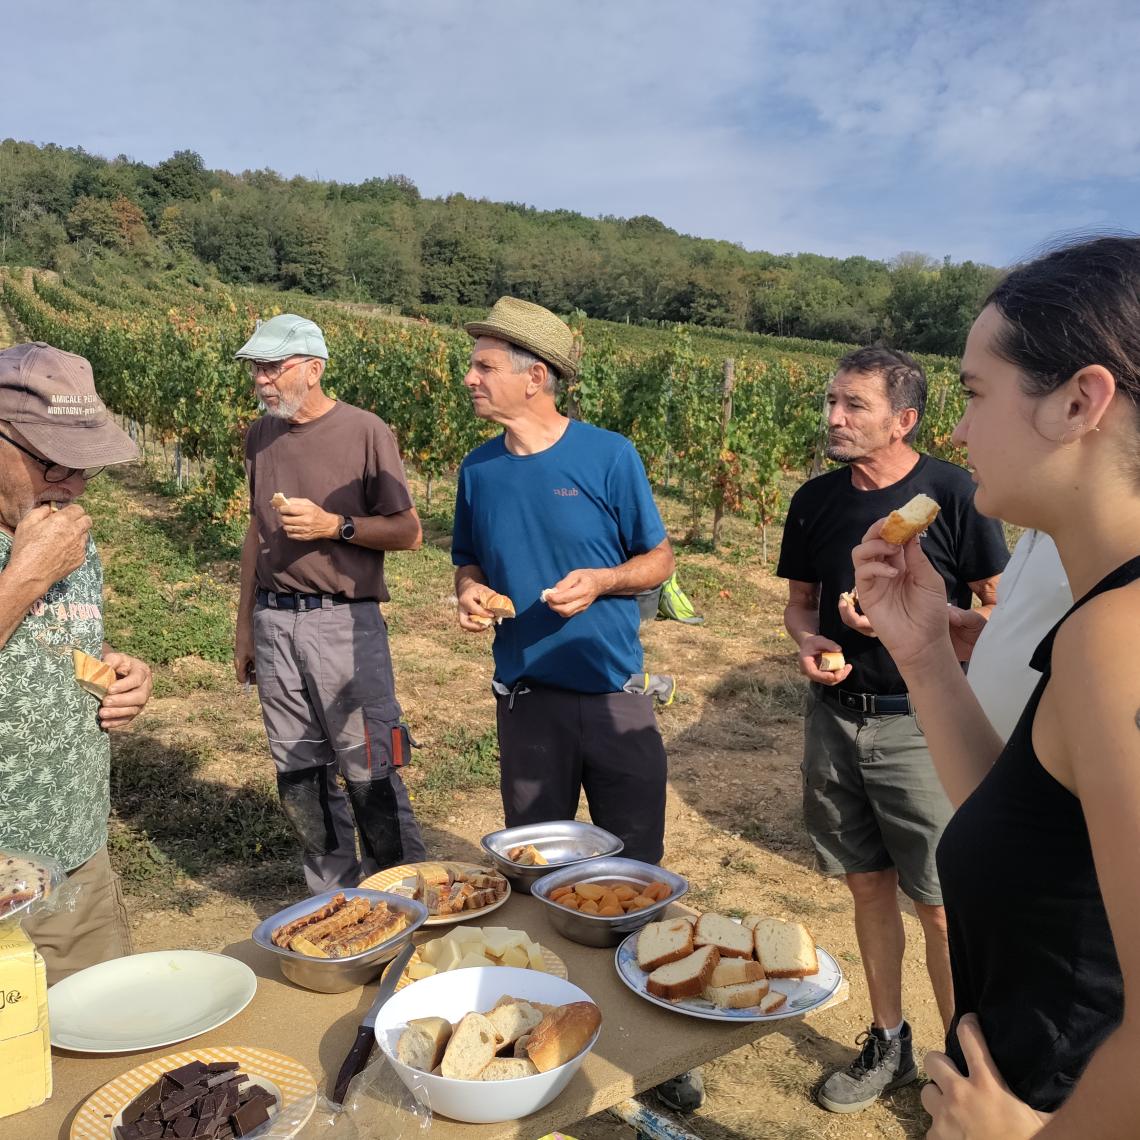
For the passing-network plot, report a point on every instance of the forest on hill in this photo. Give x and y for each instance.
(381, 241)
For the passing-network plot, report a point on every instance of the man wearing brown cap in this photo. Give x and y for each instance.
(55, 435)
(558, 515)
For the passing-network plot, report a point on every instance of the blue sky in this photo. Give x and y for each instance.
(975, 130)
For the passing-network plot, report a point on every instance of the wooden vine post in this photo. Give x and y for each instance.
(725, 420)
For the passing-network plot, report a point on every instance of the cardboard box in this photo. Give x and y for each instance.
(25, 1041)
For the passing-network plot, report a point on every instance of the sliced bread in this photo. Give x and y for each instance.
(421, 1045)
(512, 1017)
(660, 943)
(508, 1069)
(751, 920)
(772, 1001)
(730, 938)
(733, 971)
(471, 1048)
(686, 977)
(785, 949)
(739, 996)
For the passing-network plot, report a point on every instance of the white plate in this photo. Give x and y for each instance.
(803, 996)
(146, 1001)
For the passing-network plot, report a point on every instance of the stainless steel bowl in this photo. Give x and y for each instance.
(562, 842)
(335, 975)
(593, 929)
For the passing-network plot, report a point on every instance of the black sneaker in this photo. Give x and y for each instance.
(684, 1093)
(881, 1067)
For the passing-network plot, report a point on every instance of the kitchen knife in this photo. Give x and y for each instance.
(366, 1035)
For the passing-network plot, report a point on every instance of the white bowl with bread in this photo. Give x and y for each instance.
(489, 1044)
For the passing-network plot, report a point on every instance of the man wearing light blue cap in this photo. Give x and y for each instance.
(328, 497)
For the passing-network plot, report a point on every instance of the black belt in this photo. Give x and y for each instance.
(869, 704)
(301, 601)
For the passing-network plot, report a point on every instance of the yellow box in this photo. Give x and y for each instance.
(25, 1041)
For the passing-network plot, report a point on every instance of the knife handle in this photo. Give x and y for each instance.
(355, 1061)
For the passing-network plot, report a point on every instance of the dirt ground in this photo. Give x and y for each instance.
(733, 818)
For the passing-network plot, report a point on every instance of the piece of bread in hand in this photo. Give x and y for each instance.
(731, 938)
(421, 1045)
(499, 606)
(562, 1034)
(831, 661)
(785, 949)
(278, 501)
(909, 520)
(94, 676)
(686, 977)
(471, 1049)
(741, 995)
(660, 943)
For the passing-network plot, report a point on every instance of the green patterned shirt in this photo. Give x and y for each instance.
(55, 760)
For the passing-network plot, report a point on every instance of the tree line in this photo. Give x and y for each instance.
(381, 241)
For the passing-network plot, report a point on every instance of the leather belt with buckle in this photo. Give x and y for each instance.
(871, 704)
(278, 601)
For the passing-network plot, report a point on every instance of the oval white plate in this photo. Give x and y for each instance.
(803, 996)
(146, 1001)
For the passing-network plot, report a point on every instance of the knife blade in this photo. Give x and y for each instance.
(365, 1036)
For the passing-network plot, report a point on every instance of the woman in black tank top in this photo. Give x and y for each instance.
(1040, 863)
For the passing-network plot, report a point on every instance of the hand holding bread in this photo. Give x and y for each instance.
(480, 607)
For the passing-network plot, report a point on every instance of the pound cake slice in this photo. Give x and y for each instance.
(684, 978)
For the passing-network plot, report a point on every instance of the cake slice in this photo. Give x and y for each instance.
(660, 943)
(772, 1001)
(684, 978)
(730, 938)
(785, 949)
(742, 995)
(734, 971)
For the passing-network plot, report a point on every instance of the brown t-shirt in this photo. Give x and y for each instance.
(346, 462)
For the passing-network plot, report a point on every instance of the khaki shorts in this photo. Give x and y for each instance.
(872, 800)
(95, 930)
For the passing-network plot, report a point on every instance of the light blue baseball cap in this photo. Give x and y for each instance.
(284, 336)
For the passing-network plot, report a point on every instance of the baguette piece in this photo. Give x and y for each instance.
(686, 977)
(421, 1045)
(785, 949)
(911, 519)
(508, 1069)
(278, 501)
(94, 676)
(660, 943)
(730, 938)
(562, 1034)
(772, 1001)
(519, 1049)
(499, 606)
(742, 995)
(512, 1018)
(734, 971)
(471, 1048)
(831, 662)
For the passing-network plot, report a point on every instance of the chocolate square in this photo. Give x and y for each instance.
(248, 1117)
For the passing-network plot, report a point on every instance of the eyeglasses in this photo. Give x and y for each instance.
(271, 369)
(54, 472)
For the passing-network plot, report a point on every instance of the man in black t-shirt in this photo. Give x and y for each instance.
(873, 806)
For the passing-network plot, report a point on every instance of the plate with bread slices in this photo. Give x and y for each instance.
(451, 891)
(723, 969)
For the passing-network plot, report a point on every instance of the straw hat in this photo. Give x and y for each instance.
(532, 327)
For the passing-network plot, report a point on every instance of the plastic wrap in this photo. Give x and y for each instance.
(377, 1105)
(30, 884)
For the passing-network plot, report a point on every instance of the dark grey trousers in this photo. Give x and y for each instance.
(329, 705)
(554, 743)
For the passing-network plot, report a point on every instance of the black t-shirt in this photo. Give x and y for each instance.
(828, 518)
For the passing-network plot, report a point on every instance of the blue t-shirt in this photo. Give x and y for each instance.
(527, 521)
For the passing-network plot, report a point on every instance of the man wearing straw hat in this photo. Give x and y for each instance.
(558, 515)
(327, 498)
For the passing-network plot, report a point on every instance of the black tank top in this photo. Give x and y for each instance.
(1030, 946)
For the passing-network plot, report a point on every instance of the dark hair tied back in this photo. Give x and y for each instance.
(1076, 306)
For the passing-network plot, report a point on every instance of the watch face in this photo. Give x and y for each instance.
(347, 529)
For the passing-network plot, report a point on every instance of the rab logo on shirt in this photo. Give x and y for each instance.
(565, 492)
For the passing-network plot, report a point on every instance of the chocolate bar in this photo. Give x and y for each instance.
(197, 1102)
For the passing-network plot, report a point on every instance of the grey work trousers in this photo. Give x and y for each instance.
(329, 705)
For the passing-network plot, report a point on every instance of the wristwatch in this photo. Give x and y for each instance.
(347, 530)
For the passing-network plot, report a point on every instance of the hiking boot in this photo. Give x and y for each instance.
(684, 1093)
(881, 1067)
